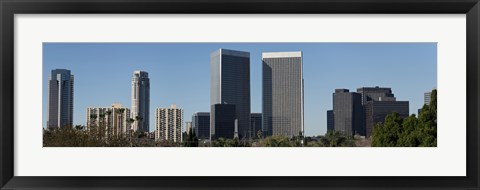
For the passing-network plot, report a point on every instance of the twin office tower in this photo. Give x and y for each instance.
(282, 94)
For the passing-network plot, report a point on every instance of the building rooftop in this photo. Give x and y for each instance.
(281, 54)
(231, 52)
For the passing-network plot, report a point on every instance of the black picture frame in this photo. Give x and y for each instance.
(11, 7)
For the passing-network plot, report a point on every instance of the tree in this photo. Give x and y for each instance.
(276, 141)
(335, 139)
(409, 132)
(220, 142)
(387, 134)
(107, 114)
(139, 120)
(259, 134)
(79, 127)
(129, 130)
(191, 139)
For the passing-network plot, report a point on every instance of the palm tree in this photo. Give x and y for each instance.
(102, 126)
(93, 118)
(108, 113)
(119, 120)
(129, 129)
(139, 120)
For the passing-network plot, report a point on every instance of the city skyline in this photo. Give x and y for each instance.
(162, 62)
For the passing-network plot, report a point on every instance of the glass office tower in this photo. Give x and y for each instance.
(60, 99)
(230, 84)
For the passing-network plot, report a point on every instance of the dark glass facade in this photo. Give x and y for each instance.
(60, 98)
(201, 124)
(375, 94)
(377, 103)
(223, 116)
(255, 124)
(348, 112)
(230, 84)
(376, 111)
(330, 121)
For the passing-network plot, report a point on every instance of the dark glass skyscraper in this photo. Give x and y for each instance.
(223, 116)
(282, 89)
(60, 99)
(201, 124)
(230, 84)
(348, 112)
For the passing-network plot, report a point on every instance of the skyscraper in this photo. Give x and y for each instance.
(282, 89)
(169, 123)
(230, 84)
(141, 101)
(348, 112)
(60, 99)
(201, 124)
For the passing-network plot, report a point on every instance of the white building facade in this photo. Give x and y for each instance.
(114, 119)
(168, 125)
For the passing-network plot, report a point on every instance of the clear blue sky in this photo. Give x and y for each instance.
(180, 73)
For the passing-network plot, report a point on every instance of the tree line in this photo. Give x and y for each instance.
(393, 132)
(412, 131)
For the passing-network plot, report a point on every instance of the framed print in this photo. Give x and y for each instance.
(239, 94)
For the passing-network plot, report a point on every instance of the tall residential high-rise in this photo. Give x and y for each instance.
(426, 98)
(201, 124)
(141, 101)
(255, 124)
(376, 111)
(60, 99)
(282, 89)
(330, 121)
(348, 112)
(230, 84)
(225, 123)
(169, 123)
(114, 119)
